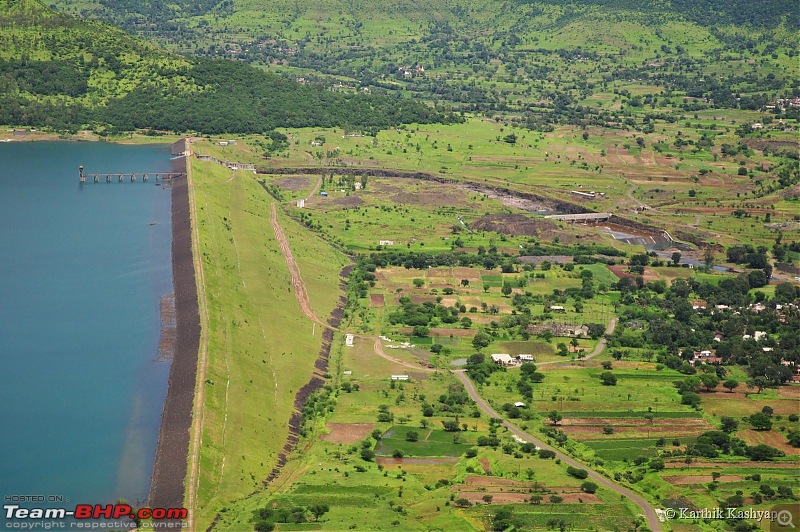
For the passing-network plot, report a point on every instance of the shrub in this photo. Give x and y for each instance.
(608, 379)
(368, 455)
(589, 487)
(577, 473)
(761, 421)
(763, 452)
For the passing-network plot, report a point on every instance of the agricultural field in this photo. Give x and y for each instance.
(479, 299)
(634, 428)
(707, 196)
(378, 450)
(419, 448)
(420, 148)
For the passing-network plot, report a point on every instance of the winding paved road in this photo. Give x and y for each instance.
(649, 512)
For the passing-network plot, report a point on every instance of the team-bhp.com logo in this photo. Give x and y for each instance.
(95, 511)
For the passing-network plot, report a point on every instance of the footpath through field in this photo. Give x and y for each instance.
(305, 304)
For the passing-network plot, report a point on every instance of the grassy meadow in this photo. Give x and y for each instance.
(260, 346)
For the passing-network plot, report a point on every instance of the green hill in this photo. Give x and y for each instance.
(522, 56)
(61, 72)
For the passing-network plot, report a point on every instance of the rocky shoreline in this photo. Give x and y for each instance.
(170, 464)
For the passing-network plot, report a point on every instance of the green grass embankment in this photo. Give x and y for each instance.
(260, 345)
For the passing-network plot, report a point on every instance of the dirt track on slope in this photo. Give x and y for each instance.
(297, 281)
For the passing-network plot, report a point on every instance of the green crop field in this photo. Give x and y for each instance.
(430, 443)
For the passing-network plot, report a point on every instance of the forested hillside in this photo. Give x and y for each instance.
(64, 73)
(542, 59)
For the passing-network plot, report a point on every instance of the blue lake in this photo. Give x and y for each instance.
(82, 272)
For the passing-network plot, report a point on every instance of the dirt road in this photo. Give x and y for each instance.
(305, 304)
(297, 281)
(597, 350)
(202, 359)
(649, 512)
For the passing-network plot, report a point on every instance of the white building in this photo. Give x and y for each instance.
(399, 377)
(348, 340)
(525, 357)
(502, 359)
(301, 203)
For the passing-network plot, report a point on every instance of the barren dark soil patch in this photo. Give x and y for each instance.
(293, 183)
(620, 270)
(347, 432)
(346, 202)
(512, 224)
(376, 300)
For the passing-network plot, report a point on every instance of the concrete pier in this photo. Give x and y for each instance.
(159, 176)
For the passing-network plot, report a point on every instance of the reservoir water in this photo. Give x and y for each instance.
(82, 273)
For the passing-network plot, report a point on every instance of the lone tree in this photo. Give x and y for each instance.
(728, 424)
(730, 384)
(481, 340)
(555, 416)
(708, 258)
(676, 257)
(608, 378)
(318, 510)
(761, 421)
(418, 283)
(709, 380)
(506, 288)
(759, 382)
